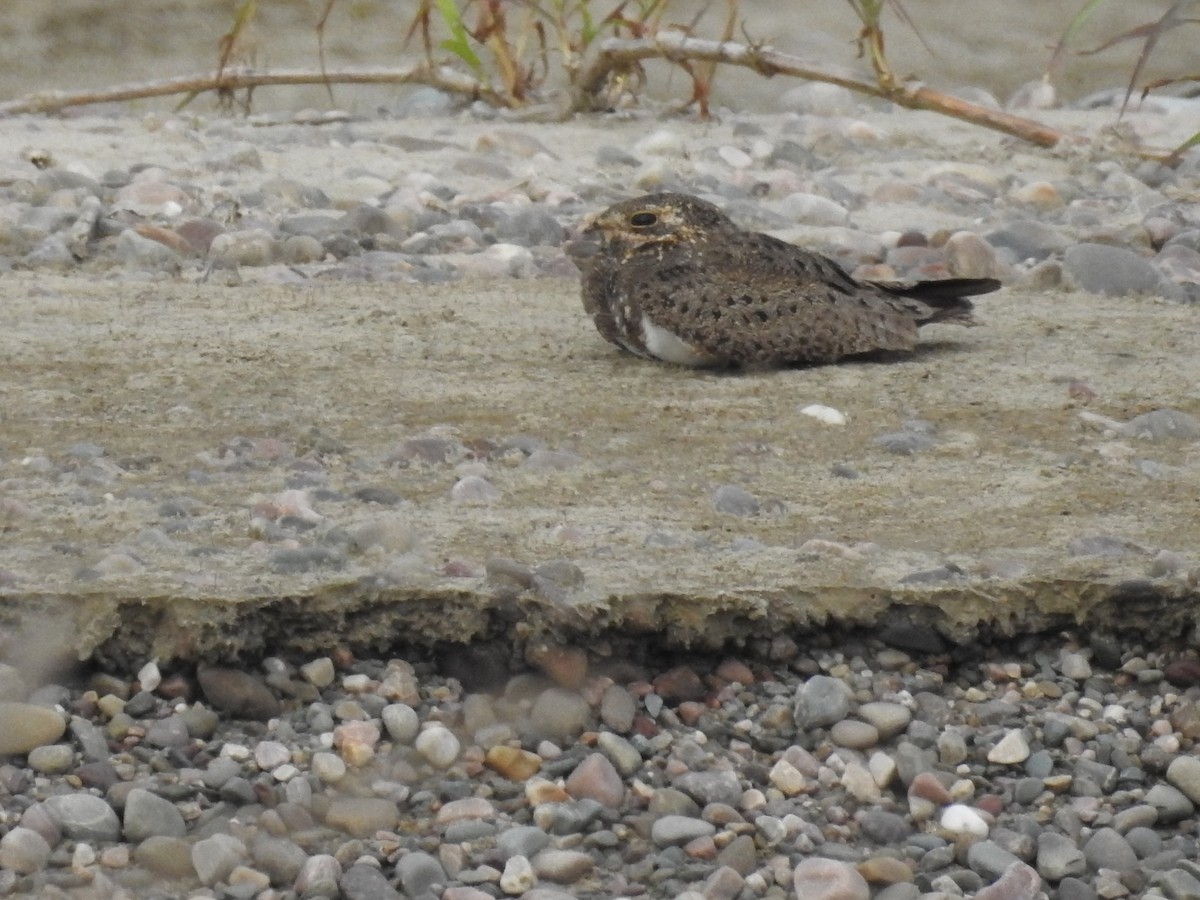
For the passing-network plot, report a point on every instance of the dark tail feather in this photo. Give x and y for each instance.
(944, 296)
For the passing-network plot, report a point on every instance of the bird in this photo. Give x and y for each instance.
(669, 277)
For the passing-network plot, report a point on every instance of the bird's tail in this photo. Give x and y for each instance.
(945, 298)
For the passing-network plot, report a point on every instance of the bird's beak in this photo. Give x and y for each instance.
(583, 244)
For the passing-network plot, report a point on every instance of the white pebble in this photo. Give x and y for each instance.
(662, 143)
(329, 767)
(1010, 749)
(271, 754)
(149, 676)
(787, 778)
(284, 773)
(734, 158)
(237, 752)
(824, 414)
(439, 747)
(474, 489)
(518, 876)
(401, 722)
(959, 819)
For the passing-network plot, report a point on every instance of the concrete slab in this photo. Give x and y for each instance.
(209, 402)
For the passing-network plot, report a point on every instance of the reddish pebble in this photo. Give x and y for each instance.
(1183, 673)
(690, 712)
(680, 683)
(645, 726)
(735, 670)
(565, 666)
(597, 779)
(701, 848)
(992, 804)
(927, 787)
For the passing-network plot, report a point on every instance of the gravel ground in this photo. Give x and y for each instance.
(166, 275)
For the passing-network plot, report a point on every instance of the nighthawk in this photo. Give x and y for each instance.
(674, 279)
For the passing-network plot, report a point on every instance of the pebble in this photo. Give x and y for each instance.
(817, 878)
(1115, 271)
(673, 830)
(419, 872)
(821, 701)
(24, 726)
(959, 819)
(1184, 774)
(361, 816)
(23, 851)
(83, 817)
(438, 746)
(1010, 750)
(237, 693)
(402, 722)
(735, 501)
(148, 815)
(213, 858)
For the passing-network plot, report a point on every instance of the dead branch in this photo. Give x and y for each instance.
(616, 54)
(234, 79)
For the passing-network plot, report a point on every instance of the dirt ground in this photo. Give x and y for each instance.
(162, 376)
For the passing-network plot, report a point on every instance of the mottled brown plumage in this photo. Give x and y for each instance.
(674, 279)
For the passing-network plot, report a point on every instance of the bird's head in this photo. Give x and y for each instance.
(653, 220)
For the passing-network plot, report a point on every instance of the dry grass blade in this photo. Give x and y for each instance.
(329, 4)
(1149, 33)
(1073, 28)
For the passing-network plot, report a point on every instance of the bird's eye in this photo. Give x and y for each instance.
(642, 219)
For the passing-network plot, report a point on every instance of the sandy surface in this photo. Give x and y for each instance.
(157, 375)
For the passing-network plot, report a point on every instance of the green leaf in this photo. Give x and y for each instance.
(459, 41)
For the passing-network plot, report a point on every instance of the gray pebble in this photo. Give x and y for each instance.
(1172, 805)
(1028, 239)
(52, 759)
(559, 713)
(1163, 424)
(735, 501)
(147, 815)
(365, 882)
(521, 840)
(1058, 857)
(624, 756)
(1107, 849)
(215, 857)
(83, 817)
(567, 818)
(885, 828)
(904, 443)
(402, 722)
(821, 701)
(710, 787)
(139, 252)
(24, 851)
(419, 872)
(1115, 271)
(672, 831)
(989, 859)
(318, 877)
(280, 858)
(617, 710)
(169, 732)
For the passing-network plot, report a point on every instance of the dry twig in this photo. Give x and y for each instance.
(443, 77)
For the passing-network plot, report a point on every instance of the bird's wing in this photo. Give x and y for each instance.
(757, 299)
